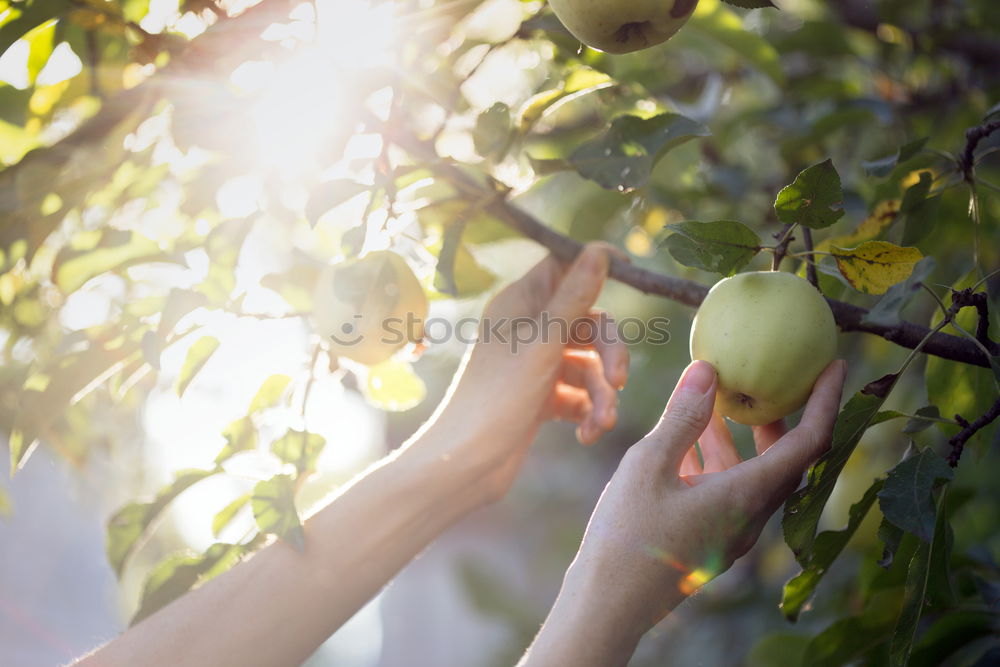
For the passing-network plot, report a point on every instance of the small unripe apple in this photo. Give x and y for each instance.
(371, 307)
(769, 335)
(622, 26)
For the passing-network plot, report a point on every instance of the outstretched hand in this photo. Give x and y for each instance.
(668, 522)
(543, 353)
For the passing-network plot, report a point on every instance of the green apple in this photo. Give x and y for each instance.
(622, 26)
(769, 335)
(370, 307)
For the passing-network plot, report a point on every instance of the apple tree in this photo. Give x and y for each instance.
(170, 166)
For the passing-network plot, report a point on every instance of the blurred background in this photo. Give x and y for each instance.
(178, 173)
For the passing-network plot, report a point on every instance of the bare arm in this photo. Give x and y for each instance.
(277, 607)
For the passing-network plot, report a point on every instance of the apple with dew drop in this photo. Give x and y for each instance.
(769, 335)
(623, 26)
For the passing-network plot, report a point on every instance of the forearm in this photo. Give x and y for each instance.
(279, 606)
(594, 622)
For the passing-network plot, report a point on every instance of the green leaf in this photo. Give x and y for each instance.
(240, 435)
(177, 574)
(329, 195)
(805, 506)
(826, 549)
(814, 199)
(884, 166)
(493, 132)
(890, 535)
(916, 193)
(226, 515)
(875, 266)
(41, 42)
(726, 27)
(723, 246)
(907, 497)
(393, 386)
(93, 254)
(780, 649)
(928, 557)
(916, 424)
(848, 639)
(25, 16)
(296, 284)
(888, 311)
(299, 448)
(129, 526)
(623, 157)
(273, 504)
(197, 356)
(270, 393)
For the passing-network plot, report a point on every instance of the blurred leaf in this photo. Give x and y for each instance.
(623, 157)
(916, 424)
(949, 633)
(750, 4)
(176, 575)
(814, 199)
(128, 528)
(826, 549)
(805, 506)
(240, 435)
(393, 386)
(270, 393)
(780, 649)
(906, 499)
(850, 638)
(198, 355)
(178, 304)
(458, 273)
(493, 132)
(723, 246)
(920, 220)
(888, 311)
(875, 266)
(41, 43)
(724, 26)
(273, 504)
(299, 448)
(110, 250)
(884, 166)
(226, 515)
(295, 285)
(882, 217)
(6, 507)
(25, 16)
(329, 195)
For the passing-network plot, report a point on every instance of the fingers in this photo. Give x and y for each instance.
(777, 472)
(691, 464)
(583, 369)
(574, 405)
(717, 446)
(580, 285)
(766, 435)
(686, 416)
(598, 330)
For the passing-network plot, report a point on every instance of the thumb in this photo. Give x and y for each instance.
(687, 414)
(580, 286)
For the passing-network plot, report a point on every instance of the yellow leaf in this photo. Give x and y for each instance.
(875, 266)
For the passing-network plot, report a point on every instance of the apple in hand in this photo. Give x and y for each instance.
(622, 26)
(769, 335)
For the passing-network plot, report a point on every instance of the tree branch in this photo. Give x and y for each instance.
(958, 440)
(967, 160)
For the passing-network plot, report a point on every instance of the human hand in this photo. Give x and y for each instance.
(666, 524)
(510, 384)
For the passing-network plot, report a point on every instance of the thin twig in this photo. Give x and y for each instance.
(957, 441)
(807, 240)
